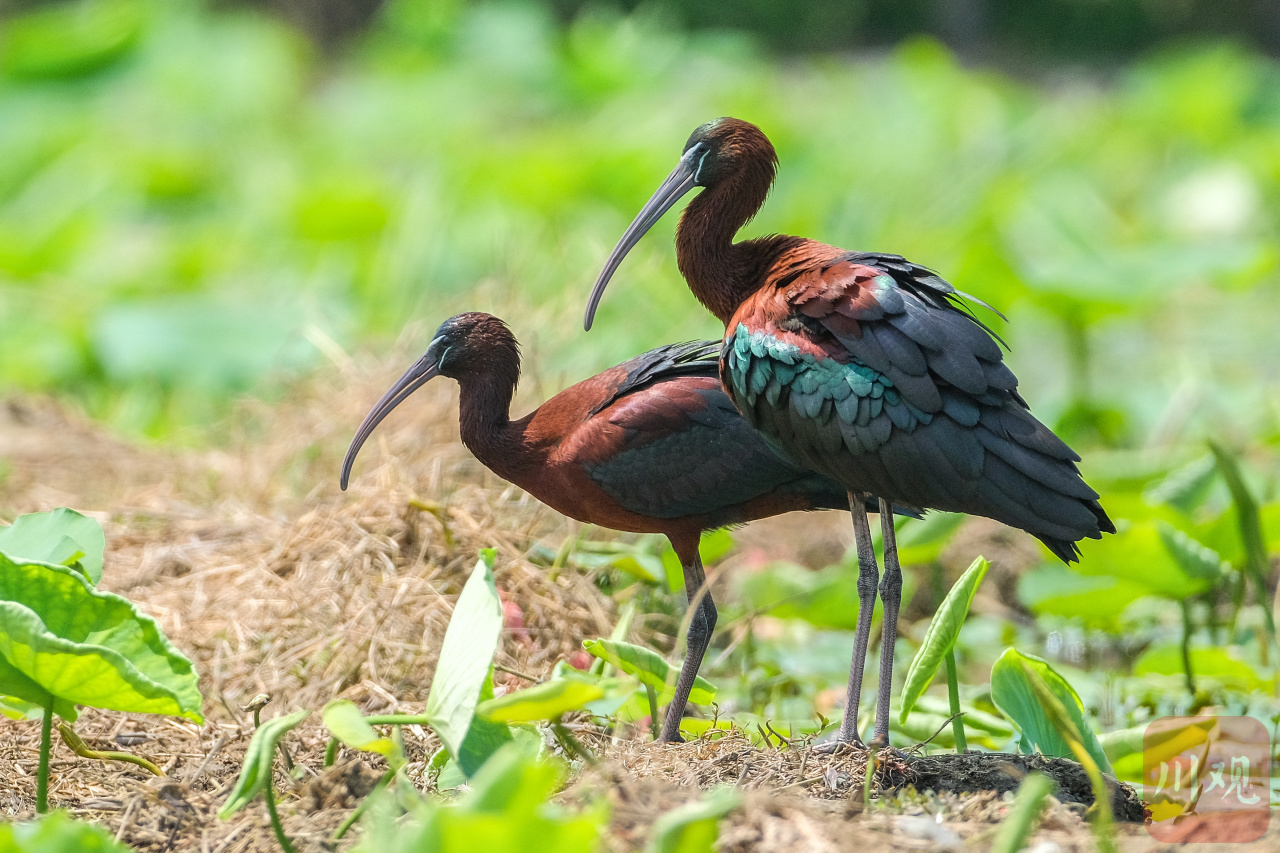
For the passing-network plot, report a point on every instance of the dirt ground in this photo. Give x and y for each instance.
(273, 581)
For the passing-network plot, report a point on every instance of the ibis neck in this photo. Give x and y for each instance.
(484, 421)
(720, 272)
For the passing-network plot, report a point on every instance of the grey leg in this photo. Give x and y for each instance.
(701, 625)
(891, 594)
(868, 576)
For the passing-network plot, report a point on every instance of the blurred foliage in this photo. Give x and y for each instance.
(57, 832)
(509, 805)
(1059, 30)
(194, 203)
(1001, 31)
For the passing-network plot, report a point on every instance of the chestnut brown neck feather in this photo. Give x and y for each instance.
(722, 273)
(484, 414)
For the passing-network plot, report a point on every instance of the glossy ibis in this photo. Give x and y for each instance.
(864, 367)
(652, 445)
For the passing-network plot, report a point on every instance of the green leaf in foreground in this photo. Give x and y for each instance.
(57, 832)
(255, 775)
(70, 39)
(87, 647)
(974, 719)
(507, 808)
(20, 709)
(465, 656)
(941, 636)
(26, 699)
(545, 701)
(62, 537)
(693, 827)
(648, 666)
(1021, 821)
(1015, 696)
(345, 722)
(484, 737)
(1060, 716)
(1124, 748)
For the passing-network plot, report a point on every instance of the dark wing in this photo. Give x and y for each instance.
(677, 447)
(872, 370)
(693, 358)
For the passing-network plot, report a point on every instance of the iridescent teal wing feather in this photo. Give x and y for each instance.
(871, 370)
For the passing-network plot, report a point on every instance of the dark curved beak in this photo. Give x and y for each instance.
(414, 378)
(682, 179)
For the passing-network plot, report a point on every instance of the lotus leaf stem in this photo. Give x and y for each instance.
(80, 748)
(46, 747)
(653, 710)
(269, 795)
(953, 696)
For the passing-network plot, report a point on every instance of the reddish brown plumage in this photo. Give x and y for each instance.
(878, 314)
(544, 452)
(550, 451)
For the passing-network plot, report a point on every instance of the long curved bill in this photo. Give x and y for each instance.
(682, 179)
(414, 378)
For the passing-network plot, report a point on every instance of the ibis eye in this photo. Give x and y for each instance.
(438, 343)
(697, 170)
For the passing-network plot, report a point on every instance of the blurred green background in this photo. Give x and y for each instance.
(199, 201)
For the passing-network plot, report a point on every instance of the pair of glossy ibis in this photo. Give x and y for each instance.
(844, 380)
(653, 445)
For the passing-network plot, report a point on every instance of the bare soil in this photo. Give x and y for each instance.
(273, 581)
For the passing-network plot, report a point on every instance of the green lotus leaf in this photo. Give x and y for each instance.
(463, 676)
(20, 709)
(695, 826)
(941, 636)
(63, 537)
(484, 737)
(344, 720)
(87, 647)
(545, 701)
(1221, 665)
(509, 807)
(26, 699)
(648, 666)
(57, 832)
(1015, 696)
